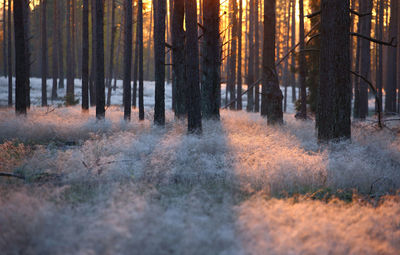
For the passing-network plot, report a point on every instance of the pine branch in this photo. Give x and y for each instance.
(391, 43)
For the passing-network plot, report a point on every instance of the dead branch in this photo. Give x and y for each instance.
(12, 175)
(376, 97)
(313, 14)
(312, 38)
(360, 14)
(391, 44)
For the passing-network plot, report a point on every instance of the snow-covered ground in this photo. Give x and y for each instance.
(112, 187)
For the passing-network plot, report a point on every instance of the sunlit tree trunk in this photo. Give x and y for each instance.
(85, 55)
(256, 56)
(149, 42)
(232, 59)
(43, 7)
(239, 103)
(159, 61)
(20, 58)
(111, 53)
(136, 61)
(250, 70)
(334, 105)
(293, 60)
(379, 73)
(211, 61)
(271, 103)
(192, 68)
(100, 88)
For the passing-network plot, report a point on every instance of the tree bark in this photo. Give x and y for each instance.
(192, 68)
(100, 88)
(26, 12)
(250, 67)
(334, 105)
(293, 60)
(85, 55)
(9, 57)
(127, 59)
(136, 63)
(20, 58)
(233, 51)
(271, 103)
(178, 59)
(239, 103)
(152, 16)
(140, 45)
(211, 61)
(302, 65)
(93, 67)
(43, 9)
(256, 57)
(55, 54)
(391, 66)
(159, 59)
(111, 56)
(70, 96)
(60, 44)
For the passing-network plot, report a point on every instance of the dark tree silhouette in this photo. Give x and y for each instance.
(85, 55)
(140, 57)
(99, 59)
(43, 9)
(127, 59)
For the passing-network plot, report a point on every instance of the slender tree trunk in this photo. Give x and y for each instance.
(286, 73)
(232, 58)
(211, 61)
(356, 110)
(250, 71)
(334, 105)
(271, 103)
(140, 45)
(398, 58)
(55, 54)
(85, 55)
(239, 103)
(9, 56)
(4, 38)
(149, 42)
(192, 68)
(302, 66)
(136, 63)
(43, 9)
(178, 59)
(127, 59)
(70, 97)
(20, 57)
(111, 52)
(100, 88)
(391, 67)
(26, 12)
(293, 60)
(159, 59)
(60, 44)
(256, 56)
(93, 70)
(365, 59)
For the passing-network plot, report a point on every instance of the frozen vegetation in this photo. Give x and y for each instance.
(112, 187)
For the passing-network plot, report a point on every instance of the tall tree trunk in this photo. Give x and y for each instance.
(55, 54)
(379, 74)
(93, 67)
(232, 59)
(256, 57)
(365, 58)
(356, 110)
(239, 103)
(140, 45)
(286, 72)
(178, 59)
(271, 103)
(43, 9)
(302, 65)
(136, 63)
(152, 16)
(398, 58)
(85, 55)
(70, 97)
(293, 60)
(211, 61)
(100, 88)
(334, 106)
(127, 59)
(26, 12)
(250, 70)
(111, 52)
(4, 38)
(391, 67)
(60, 47)
(20, 57)
(159, 59)
(192, 68)
(9, 56)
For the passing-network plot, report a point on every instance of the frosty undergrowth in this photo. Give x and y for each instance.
(121, 188)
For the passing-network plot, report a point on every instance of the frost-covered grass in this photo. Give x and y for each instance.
(112, 187)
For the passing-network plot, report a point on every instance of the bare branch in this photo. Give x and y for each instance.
(312, 15)
(391, 43)
(360, 14)
(12, 175)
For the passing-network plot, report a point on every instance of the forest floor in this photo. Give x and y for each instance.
(113, 187)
